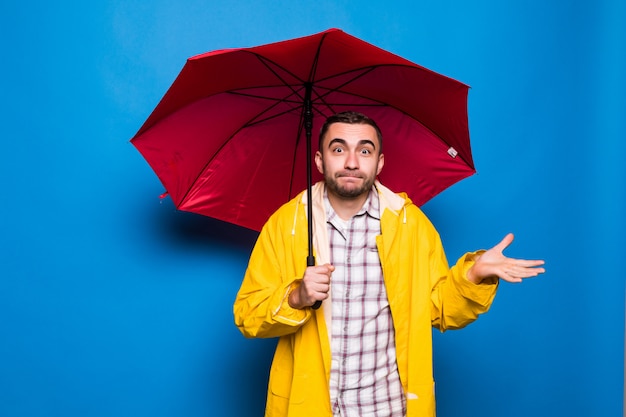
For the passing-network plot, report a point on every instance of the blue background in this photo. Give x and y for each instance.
(112, 303)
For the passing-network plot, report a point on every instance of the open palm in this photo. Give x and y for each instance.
(493, 264)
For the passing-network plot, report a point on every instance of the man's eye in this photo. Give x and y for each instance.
(366, 151)
(338, 150)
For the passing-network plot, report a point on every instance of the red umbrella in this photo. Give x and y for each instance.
(231, 138)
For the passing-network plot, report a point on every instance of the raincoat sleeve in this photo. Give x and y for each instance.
(456, 301)
(261, 307)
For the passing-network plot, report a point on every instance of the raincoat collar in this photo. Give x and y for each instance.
(388, 198)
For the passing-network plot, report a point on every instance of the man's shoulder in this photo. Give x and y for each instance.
(291, 204)
(286, 210)
(409, 214)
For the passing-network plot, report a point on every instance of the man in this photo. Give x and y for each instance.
(384, 281)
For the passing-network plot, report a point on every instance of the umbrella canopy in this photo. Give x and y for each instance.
(228, 139)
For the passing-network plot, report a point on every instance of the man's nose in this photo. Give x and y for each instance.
(352, 162)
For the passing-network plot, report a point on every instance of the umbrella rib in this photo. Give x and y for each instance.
(265, 61)
(277, 101)
(263, 97)
(313, 70)
(295, 155)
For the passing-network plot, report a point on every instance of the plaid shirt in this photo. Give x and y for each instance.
(364, 379)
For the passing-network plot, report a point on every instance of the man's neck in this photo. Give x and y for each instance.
(346, 208)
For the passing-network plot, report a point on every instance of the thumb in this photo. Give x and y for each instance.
(504, 243)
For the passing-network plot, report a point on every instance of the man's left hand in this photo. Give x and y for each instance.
(493, 264)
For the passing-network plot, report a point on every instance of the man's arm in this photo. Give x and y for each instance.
(468, 288)
(262, 308)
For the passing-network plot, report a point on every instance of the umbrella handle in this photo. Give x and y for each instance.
(310, 261)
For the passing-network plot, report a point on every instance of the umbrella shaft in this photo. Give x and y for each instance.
(308, 127)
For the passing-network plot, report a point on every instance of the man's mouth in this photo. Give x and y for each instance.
(349, 175)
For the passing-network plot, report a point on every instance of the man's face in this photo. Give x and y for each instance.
(350, 159)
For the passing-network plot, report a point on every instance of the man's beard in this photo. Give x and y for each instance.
(348, 193)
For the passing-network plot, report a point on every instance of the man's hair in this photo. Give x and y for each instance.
(352, 118)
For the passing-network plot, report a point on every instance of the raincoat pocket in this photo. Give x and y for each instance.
(283, 383)
(283, 386)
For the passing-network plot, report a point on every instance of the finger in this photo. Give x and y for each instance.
(509, 275)
(522, 268)
(325, 269)
(528, 263)
(315, 290)
(526, 273)
(323, 279)
(321, 288)
(518, 273)
(504, 243)
(319, 296)
(509, 278)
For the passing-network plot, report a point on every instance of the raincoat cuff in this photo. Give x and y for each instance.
(482, 293)
(288, 315)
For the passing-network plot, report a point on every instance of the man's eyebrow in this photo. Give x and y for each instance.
(336, 140)
(343, 142)
(367, 142)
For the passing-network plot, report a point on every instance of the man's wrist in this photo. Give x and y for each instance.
(474, 279)
(294, 297)
(471, 276)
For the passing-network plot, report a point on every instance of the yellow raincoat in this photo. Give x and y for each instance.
(422, 291)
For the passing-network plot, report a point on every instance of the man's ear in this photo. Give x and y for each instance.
(319, 162)
(381, 163)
